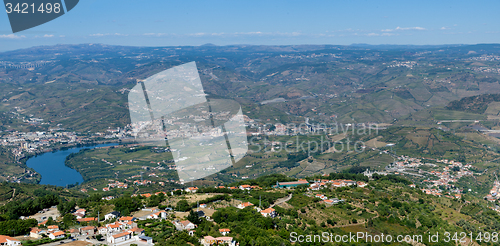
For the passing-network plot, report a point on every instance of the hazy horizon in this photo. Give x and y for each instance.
(168, 23)
(277, 45)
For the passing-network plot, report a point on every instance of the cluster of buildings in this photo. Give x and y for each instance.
(484, 58)
(34, 142)
(486, 69)
(241, 187)
(117, 184)
(408, 64)
(494, 192)
(434, 192)
(124, 185)
(325, 199)
(209, 241)
(409, 162)
(319, 184)
(450, 174)
(182, 129)
(186, 225)
(123, 229)
(268, 212)
(439, 193)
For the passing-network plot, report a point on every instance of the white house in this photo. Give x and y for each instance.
(36, 233)
(224, 231)
(314, 186)
(126, 218)
(114, 227)
(160, 214)
(268, 212)
(56, 235)
(120, 237)
(10, 241)
(244, 205)
(80, 213)
(74, 232)
(245, 187)
(328, 201)
(322, 197)
(209, 240)
(111, 215)
(184, 225)
(191, 189)
(102, 230)
(87, 231)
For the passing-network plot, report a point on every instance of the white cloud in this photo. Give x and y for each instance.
(48, 36)
(404, 29)
(107, 34)
(155, 34)
(249, 33)
(221, 34)
(385, 34)
(12, 36)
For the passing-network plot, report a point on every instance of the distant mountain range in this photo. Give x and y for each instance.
(69, 84)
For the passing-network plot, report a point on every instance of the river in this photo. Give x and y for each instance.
(52, 168)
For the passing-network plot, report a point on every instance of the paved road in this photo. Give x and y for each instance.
(64, 242)
(282, 200)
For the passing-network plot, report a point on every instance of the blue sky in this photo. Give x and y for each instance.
(269, 22)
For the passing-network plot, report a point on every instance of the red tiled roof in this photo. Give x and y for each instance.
(3, 239)
(121, 234)
(58, 233)
(267, 210)
(114, 225)
(136, 229)
(86, 219)
(88, 228)
(126, 218)
(185, 223)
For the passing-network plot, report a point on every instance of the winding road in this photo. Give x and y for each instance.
(282, 200)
